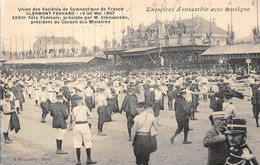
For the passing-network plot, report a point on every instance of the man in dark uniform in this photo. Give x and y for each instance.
(67, 95)
(45, 104)
(7, 111)
(104, 115)
(112, 99)
(89, 93)
(182, 112)
(156, 101)
(147, 93)
(240, 153)
(194, 88)
(18, 93)
(216, 141)
(256, 102)
(128, 106)
(2, 93)
(170, 96)
(60, 115)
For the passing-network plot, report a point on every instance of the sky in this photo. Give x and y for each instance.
(243, 22)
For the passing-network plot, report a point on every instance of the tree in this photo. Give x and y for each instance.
(84, 49)
(95, 48)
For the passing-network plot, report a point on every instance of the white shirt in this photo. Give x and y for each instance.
(101, 100)
(158, 95)
(108, 93)
(188, 96)
(229, 109)
(43, 96)
(141, 125)
(164, 89)
(81, 112)
(6, 106)
(89, 92)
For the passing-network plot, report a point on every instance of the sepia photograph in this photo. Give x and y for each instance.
(125, 82)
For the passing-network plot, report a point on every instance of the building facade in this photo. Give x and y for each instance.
(57, 46)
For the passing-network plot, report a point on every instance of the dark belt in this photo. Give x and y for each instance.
(81, 122)
(142, 133)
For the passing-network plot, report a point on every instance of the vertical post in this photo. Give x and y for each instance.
(113, 34)
(15, 44)
(62, 42)
(231, 22)
(131, 14)
(155, 5)
(45, 40)
(105, 32)
(210, 17)
(95, 38)
(166, 11)
(179, 10)
(10, 48)
(73, 40)
(23, 42)
(23, 54)
(231, 17)
(30, 41)
(123, 31)
(257, 26)
(38, 47)
(54, 40)
(83, 41)
(3, 44)
(192, 17)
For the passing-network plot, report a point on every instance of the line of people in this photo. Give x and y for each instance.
(63, 100)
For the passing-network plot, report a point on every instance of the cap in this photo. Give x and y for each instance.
(101, 89)
(236, 126)
(109, 84)
(130, 90)
(77, 97)
(59, 96)
(132, 83)
(218, 115)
